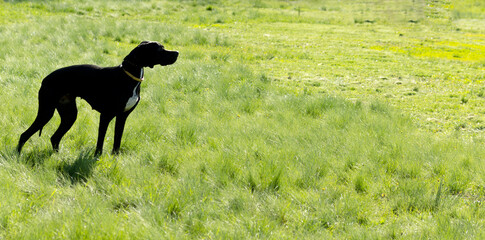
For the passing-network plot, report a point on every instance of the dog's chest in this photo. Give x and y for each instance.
(135, 97)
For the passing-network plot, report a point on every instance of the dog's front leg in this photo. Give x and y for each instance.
(104, 120)
(119, 127)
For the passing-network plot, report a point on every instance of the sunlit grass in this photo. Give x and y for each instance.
(279, 120)
(441, 50)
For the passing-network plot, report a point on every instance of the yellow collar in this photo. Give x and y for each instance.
(133, 77)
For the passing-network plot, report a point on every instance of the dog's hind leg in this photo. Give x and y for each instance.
(68, 112)
(44, 114)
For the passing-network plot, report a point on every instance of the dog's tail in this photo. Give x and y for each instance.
(40, 132)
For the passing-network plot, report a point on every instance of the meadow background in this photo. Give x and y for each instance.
(281, 120)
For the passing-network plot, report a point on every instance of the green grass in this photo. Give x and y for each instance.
(281, 120)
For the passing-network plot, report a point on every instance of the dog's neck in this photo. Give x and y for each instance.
(132, 70)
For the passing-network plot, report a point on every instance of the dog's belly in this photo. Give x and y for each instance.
(132, 100)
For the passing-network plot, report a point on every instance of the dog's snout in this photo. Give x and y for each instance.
(175, 55)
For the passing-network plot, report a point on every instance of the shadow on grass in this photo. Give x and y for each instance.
(36, 158)
(79, 170)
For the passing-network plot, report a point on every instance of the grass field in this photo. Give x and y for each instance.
(281, 120)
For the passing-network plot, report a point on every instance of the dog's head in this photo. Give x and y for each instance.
(149, 54)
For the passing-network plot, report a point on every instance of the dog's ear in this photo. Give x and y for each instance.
(133, 55)
(136, 55)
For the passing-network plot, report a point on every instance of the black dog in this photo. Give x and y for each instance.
(112, 91)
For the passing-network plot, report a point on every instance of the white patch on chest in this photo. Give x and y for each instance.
(132, 100)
